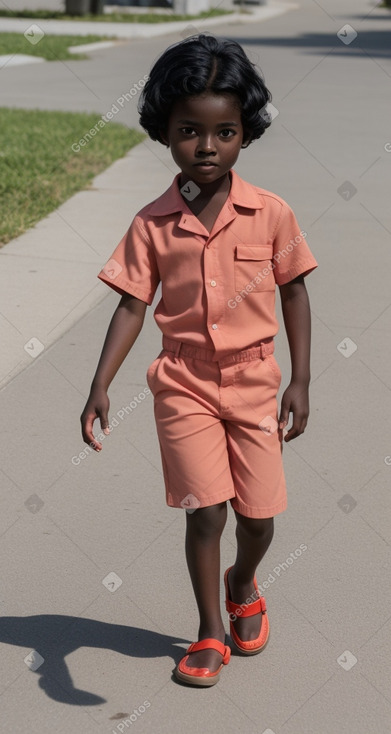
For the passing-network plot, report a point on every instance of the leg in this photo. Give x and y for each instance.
(203, 533)
(253, 539)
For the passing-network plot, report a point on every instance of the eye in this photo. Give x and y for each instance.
(187, 131)
(227, 133)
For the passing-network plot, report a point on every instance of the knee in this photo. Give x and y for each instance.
(208, 522)
(257, 528)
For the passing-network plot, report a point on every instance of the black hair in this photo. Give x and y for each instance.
(199, 64)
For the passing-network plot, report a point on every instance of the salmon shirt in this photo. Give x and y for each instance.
(218, 287)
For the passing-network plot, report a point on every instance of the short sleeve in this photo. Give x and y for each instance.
(132, 267)
(291, 254)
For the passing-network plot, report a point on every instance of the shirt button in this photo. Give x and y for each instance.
(213, 283)
(214, 326)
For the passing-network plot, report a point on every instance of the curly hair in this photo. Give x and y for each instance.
(199, 64)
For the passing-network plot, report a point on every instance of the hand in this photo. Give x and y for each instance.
(295, 400)
(97, 406)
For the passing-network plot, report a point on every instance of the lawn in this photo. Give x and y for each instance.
(113, 17)
(39, 170)
(51, 48)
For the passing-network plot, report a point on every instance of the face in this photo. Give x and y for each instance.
(205, 135)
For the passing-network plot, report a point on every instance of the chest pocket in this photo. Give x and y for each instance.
(253, 268)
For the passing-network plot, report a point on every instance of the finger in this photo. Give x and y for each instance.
(104, 419)
(290, 435)
(96, 445)
(297, 428)
(88, 434)
(86, 427)
(284, 416)
(104, 424)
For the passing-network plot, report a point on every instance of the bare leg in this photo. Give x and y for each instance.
(203, 532)
(253, 539)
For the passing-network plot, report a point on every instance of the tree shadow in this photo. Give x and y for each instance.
(54, 636)
(371, 14)
(367, 43)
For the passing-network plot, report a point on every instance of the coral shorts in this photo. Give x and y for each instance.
(217, 428)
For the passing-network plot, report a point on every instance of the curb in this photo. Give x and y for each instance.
(48, 275)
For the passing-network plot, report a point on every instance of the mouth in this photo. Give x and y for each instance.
(205, 164)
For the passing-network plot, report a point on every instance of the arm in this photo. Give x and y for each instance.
(123, 331)
(297, 320)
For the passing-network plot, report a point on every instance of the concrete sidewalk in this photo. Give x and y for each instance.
(97, 604)
(60, 257)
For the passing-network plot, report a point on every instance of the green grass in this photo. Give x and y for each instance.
(38, 168)
(51, 48)
(112, 17)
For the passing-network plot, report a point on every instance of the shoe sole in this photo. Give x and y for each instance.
(250, 652)
(195, 680)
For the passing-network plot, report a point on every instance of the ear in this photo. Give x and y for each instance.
(246, 142)
(247, 138)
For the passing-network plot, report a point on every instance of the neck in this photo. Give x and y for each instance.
(222, 185)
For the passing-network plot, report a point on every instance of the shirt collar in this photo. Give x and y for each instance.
(241, 193)
(245, 194)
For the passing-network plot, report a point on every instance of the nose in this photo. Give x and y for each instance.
(206, 145)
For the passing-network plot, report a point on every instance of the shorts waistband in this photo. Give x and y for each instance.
(262, 350)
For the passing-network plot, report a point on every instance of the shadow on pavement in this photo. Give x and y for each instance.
(54, 636)
(372, 43)
(369, 16)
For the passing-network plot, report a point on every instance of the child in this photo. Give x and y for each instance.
(218, 245)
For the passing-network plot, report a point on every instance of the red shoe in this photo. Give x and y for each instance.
(249, 647)
(202, 676)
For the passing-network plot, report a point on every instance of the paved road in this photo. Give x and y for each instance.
(94, 574)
